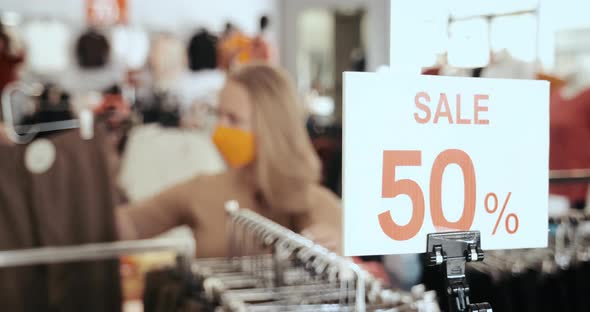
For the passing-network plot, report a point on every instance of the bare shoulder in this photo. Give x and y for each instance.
(324, 206)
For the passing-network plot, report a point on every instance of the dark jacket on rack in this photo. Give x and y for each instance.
(70, 203)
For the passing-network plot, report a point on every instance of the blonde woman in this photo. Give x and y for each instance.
(274, 171)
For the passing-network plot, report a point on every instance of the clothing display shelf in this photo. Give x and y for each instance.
(549, 279)
(298, 275)
(184, 248)
(569, 176)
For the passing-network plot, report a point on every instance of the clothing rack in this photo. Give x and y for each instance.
(272, 233)
(550, 279)
(273, 268)
(184, 248)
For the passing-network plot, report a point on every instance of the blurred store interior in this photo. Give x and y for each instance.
(150, 72)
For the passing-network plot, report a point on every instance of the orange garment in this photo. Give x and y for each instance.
(570, 137)
(234, 50)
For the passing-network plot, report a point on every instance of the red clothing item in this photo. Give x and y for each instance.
(260, 49)
(8, 66)
(433, 71)
(570, 141)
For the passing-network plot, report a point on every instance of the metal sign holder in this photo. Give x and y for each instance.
(452, 251)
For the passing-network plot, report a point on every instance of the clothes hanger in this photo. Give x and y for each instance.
(85, 122)
(302, 267)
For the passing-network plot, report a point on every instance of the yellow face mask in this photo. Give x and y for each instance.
(235, 145)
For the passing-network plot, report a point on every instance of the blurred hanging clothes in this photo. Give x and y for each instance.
(262, 45)
(202, 51)
(432, 71)
(204, 81)
(260, 49)
(95, 70)
(115, 112)
(8, 68)
(160, 98)
(10, 60)
(47, 44)
(59, 198)
(162, 108)
(114, 102)
(168, 77)
(130, 46)
(234, 49)
(167, 62)
(569, 137)
(202, 86)
(503, 65)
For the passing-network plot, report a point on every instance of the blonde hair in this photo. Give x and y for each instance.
(286, 163)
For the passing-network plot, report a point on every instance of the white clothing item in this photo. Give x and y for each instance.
(130, 46)
(510, 69)
(200, 87)
(576, 83)
(48, 45)
(78, 80)
(455, 71)
(86, 86)
(157, 158)
(558, 205)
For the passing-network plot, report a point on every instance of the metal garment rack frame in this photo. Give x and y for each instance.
(271, 231)
(452, 251)
(185, 249)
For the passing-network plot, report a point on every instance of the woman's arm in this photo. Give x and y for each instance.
(156, 215)
(322, 222)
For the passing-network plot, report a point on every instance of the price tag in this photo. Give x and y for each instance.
(427, 154)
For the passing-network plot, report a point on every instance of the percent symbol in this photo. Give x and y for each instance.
(494, 208)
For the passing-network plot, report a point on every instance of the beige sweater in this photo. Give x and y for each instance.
(199, 203)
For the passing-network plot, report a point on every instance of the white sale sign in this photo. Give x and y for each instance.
(427, 154)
